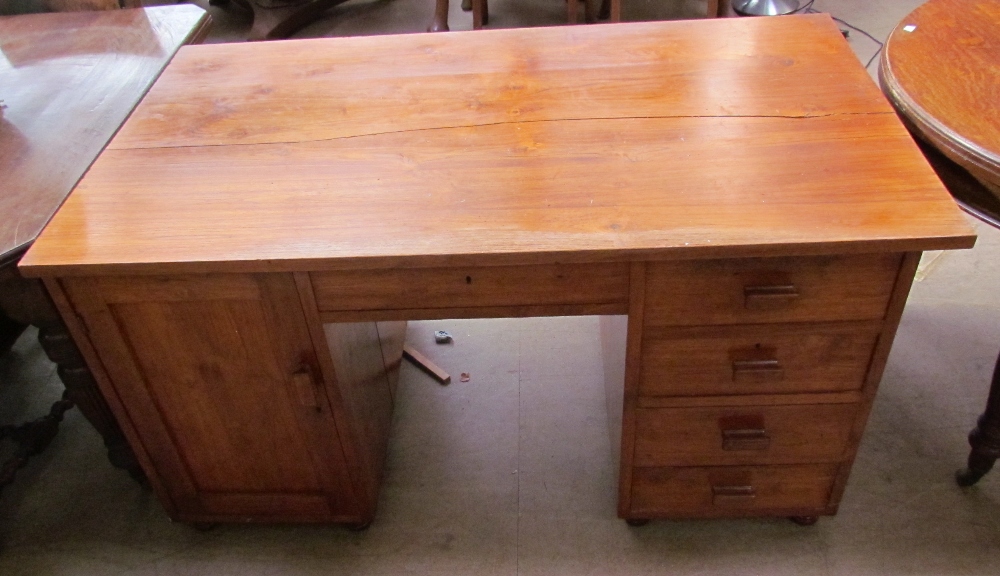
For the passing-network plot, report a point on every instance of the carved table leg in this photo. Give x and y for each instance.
(9, 332)
(985, 437)
(26, 301)
(980, 200)
(31, 439)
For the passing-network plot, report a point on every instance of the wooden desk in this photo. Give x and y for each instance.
(941, 71)
(238, 264)
(67, 82)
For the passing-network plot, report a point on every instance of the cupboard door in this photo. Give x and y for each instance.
(220, 380)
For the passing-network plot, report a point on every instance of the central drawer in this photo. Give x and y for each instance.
(472, 287)
(744, 435)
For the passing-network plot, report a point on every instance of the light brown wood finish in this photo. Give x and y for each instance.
(786, 434)
(425, 364)
(757, 359)
(942, 76)
(69, 81)
(630, 391)
(553, 185)
(904, 279)
(737, 291)
(363, 383)
(798, 490)
(393, 338)
(497, 286)
(223, 415)
(552, 149)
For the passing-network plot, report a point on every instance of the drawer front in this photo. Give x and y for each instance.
(765, 290)
(486, 286)
(757, 359)
(747, 435)
(728, 491)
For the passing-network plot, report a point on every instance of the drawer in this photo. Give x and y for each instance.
(745, 435)
(469, 287)
(765, 290)
(757, 359)
(727, 491)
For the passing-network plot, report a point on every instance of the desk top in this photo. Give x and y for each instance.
(67, 82)
(941, 66)
(734, 137)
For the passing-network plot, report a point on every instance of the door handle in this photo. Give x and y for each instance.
(737, 439)
(306, 388)
(757, 370)
(732, 494)
(769, 297)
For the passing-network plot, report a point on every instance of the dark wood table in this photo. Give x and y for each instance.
(941, 71)
(67, 82)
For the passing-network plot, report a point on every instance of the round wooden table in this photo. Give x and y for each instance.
(941, 71)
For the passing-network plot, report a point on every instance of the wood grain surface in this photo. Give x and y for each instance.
(67, 82)
(944, 76)
(700, 492)
(695, 436)
(832, 288)
(731, 137)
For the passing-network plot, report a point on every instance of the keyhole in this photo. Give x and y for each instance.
(468, 279)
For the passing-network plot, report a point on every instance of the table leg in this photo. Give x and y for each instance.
(985, 437)
(974, 196)
(275, 19)
(26, 301)
(9, 332)
(440, 23)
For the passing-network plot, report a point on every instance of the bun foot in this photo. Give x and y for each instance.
(359, 527)
(204, 526)
(804, 520)
(637, 522)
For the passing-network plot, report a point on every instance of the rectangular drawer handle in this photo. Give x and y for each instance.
(745, 439)
(732, 494)
(769, 297)
(757, 370)
(306, 389)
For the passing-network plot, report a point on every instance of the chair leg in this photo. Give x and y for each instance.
(440, 22)
(985, 437)
(480, 14)
(712, 8)
(616, 11)
(605, 11)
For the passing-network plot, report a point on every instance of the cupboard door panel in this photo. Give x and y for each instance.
(223, 368)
